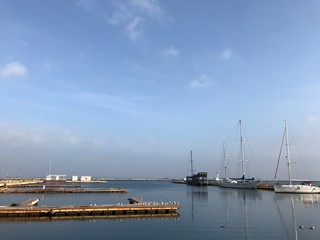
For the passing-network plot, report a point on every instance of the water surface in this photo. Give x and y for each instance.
(205, 213)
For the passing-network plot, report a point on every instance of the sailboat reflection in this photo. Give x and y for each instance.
(310, 201)
(198, 195)
(307, 200)
(240, 199)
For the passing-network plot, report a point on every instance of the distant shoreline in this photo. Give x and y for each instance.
(93, 180)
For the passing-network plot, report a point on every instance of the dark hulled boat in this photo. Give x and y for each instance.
(198, 179)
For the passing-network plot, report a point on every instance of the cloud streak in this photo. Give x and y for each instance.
(13, 135)
(133, 16)
(170, 52)
(123, 104)
(227, 54)
(201, 82)
(13, 69)
(88, 5)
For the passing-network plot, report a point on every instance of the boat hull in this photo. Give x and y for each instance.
(239, 185)
(199, 179)
(296, 188)
(197, 182)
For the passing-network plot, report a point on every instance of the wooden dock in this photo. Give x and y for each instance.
(150, 209)
(62, 190)
(88, 217)
(265, 186)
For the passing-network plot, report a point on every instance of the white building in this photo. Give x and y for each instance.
(75, 179)
(52, 177)
(85, 179)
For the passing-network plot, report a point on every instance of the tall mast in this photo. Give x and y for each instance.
(225, 160)
(288, 155)
(191, 163)
(241, 151)
(50, 167)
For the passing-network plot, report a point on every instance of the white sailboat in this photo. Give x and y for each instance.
(291, 188)
(242, 182)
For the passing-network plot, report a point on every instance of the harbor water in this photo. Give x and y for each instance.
(206, 213)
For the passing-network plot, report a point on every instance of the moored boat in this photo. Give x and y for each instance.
(243, 182)
(197, 179)
(305, 187)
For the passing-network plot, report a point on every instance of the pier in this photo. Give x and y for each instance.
(62, 190)
(142, 209)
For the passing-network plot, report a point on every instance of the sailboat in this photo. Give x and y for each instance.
(198, 179)
(242, 182)
(291, 188)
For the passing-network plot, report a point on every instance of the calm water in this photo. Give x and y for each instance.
(206, 213)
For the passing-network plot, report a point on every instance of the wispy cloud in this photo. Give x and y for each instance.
(131, 16)
(15, 135)
(312, 126)
(200, 82)
(150, 7)
(88, 5)
(170, 52)
(227, 53)
(133, 28)
(312, 120)
(124, 104)
(14, 69)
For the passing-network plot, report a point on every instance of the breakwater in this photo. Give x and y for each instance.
(62, 190)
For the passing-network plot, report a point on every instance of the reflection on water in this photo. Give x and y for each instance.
(286, 205)
(206, 213)
(240, 193)
(306, 200)
(198, 195)
(236, 204)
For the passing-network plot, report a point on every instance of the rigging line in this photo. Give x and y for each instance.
(280, 154)
(233, 132)
(250, 151)
(300, 156)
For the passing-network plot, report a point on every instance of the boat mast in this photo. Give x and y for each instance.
(191, 163)
(225, 160)
(50, 167)
(241, 151)
(288, 156)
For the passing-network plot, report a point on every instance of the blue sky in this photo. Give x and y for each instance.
(128, 88)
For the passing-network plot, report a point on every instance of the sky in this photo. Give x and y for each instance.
(127, 88)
